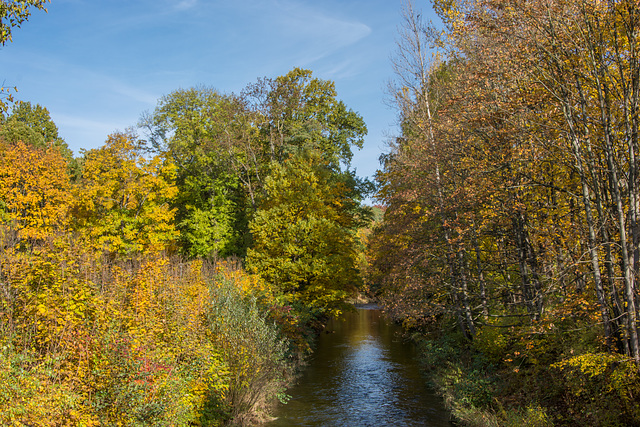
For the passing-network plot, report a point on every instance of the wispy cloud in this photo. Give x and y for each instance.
(128, 90)
(85, 124)
(86, 79)
(314, 24)
(342, 70)
(304, 32)
(317, 33)
(186, 4)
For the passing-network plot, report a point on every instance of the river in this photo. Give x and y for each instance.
(362, 374)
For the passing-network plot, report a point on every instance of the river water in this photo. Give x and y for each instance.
(362, 374)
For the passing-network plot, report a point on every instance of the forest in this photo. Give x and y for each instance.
(510, 240)
(179, 278)
(179, 273)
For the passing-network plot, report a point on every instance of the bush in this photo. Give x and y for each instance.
(600, 388)
(251, 345)
(86, 340)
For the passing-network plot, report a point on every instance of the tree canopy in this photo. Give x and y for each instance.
(512, 192)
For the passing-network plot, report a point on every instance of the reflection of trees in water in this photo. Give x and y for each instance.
(362, 373)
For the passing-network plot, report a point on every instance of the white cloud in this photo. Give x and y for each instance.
(341, 70)
(323, 29)
(301, 32)
(186, 4)
(312, 22)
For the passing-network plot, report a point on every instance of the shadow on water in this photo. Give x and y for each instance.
(362, 374)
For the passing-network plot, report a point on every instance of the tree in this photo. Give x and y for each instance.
(197, 128)
(123, 202)
(32, 124)
(304, 235)
(308, 212)
(299, 111)
(225, 146)
(34, 189)
(583, 57)
(512, 192)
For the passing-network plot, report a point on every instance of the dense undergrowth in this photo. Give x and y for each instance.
(89, 339)
(514, 377)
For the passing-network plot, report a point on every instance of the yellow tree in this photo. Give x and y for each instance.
(34, 189)
(123, 200)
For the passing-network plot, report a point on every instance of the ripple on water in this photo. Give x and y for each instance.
(362, 375)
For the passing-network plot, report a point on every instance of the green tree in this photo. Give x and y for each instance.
(300, 111)
(226, 145)
(304, 235)
(32, 124)
(196, 129)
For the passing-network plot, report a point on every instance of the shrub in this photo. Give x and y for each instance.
(600, 388)
(250, 344)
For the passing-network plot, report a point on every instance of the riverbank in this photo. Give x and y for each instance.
(150, 339)
(482, 390)
(469, 388)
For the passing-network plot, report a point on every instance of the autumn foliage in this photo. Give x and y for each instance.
(116, 306)
(512, 205)
(34, 189)
(146, 340)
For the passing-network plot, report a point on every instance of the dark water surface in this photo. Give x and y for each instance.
(362, 374)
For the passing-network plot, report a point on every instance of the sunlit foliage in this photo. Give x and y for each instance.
(35, 191)
(88, 341)
(305, 243)
(122, 204)
(511, 225)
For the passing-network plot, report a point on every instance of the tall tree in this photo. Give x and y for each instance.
(197, 129)
(304, 234)
(300, 111)
(226, 145)
(124, 201)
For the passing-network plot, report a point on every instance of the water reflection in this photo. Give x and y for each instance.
(362, 374)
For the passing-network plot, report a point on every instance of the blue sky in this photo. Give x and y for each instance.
(97, 65)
